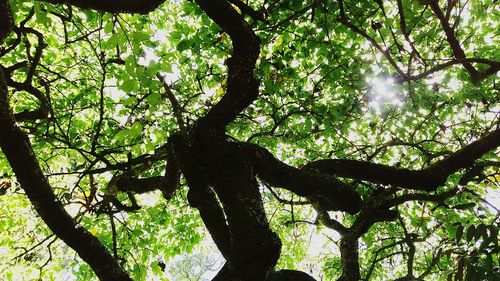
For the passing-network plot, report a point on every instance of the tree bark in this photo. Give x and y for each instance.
(255, 248)
(349, 258)
(5, 20)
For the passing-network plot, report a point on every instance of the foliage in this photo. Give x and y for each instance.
(401, 96)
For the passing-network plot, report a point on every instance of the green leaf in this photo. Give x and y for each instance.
(470, 233)
(128, 86)
(183, 45)
(108, 27)
(480, 231)
(141, 36)
(122, 135)
(459, 233)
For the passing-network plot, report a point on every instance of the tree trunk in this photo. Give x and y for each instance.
(349, 258)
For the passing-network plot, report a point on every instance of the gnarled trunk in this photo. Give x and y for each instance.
(349, 258)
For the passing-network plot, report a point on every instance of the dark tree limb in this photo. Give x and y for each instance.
(345, 21)
(201, 196)
(5, 20)
(457, 50)
(44, 108)
(290, 275)
(168, 184)
(18, 151)
(119, 205)
(113, 6)
(494, 67)
(255, 248)
(30, 115)
(127, 183)
(325, 190)
(242, 87)
(171, 179)
(175, 105)
(428, 179)
(349, 258)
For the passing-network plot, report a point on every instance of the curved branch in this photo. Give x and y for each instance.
(30, 115)
(168, 184)
(17, 148)
(113, 6)
(44, 109)
(428, 179)
(242, 87)
(325, 190)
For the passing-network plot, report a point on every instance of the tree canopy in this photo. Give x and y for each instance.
(302, 139)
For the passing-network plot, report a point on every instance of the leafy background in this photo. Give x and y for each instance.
(325, 92)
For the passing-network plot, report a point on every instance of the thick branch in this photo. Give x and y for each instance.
(113, 6)
(328, 192)
(172, 175)
(201, 196)
(168, 184)
(255, 248)
(428, 179)
(242, 87)
(138, 185)
(17, 148)
(5, 20)
(349, 258)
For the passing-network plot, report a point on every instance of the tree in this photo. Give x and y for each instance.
(378, 120)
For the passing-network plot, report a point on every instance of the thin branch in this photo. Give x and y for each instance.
(17, 148)
(458, 52)
(175, 105)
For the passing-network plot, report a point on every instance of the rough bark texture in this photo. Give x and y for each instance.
(349, 258)
(5, 20)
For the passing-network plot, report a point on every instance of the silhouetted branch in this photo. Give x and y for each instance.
(325, 190)
(428, 179)
(5, 20)
(112, 6)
